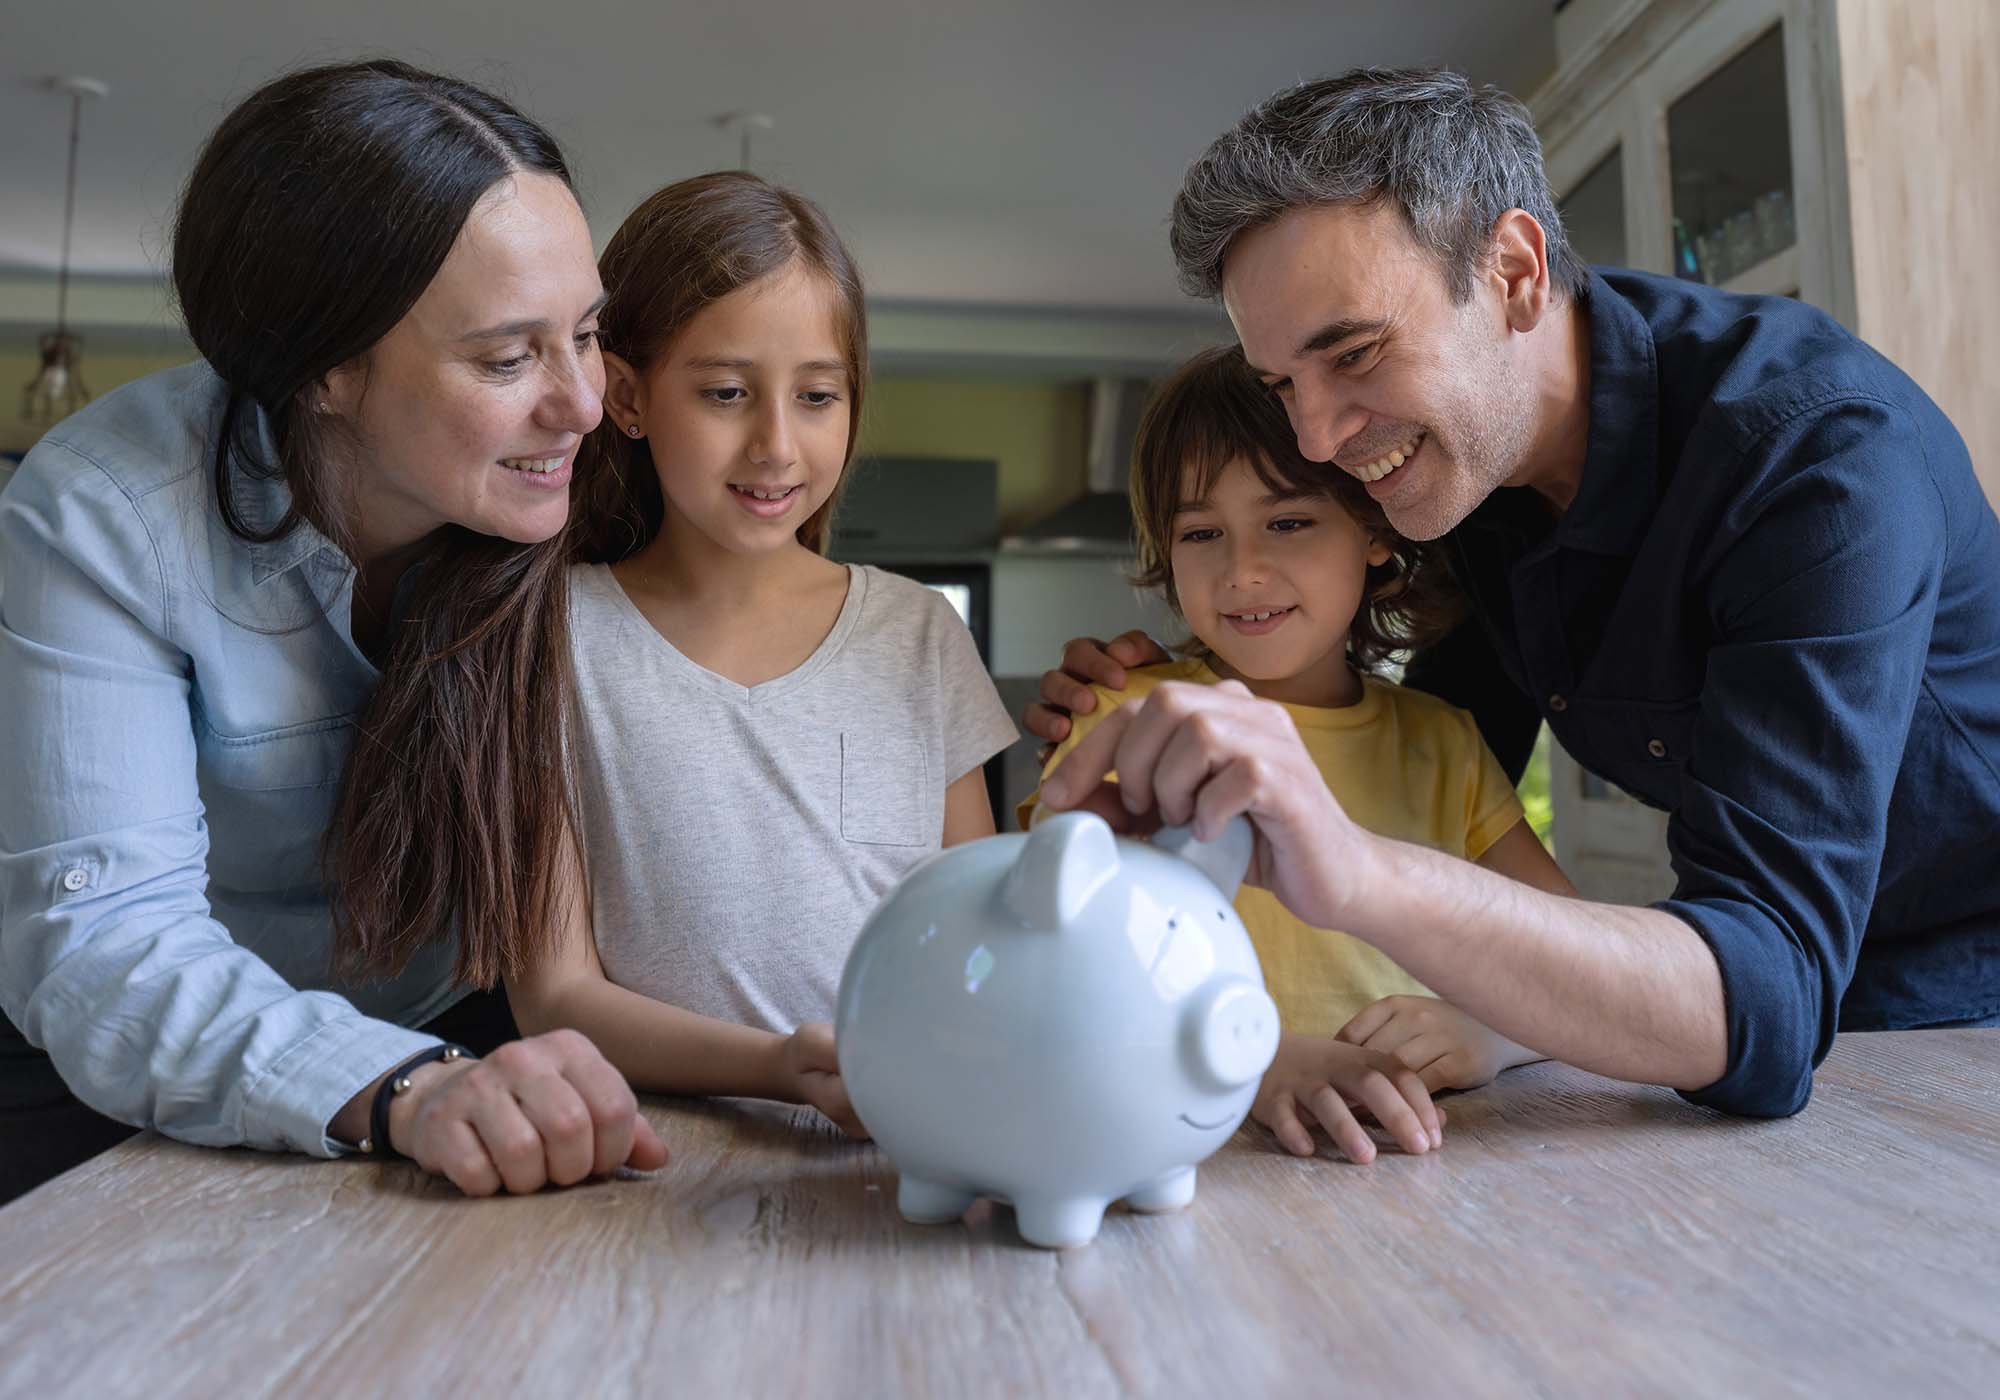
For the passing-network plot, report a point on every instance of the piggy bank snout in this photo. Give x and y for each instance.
(1230, 1034)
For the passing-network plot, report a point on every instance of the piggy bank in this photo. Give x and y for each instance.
(1057, 1020)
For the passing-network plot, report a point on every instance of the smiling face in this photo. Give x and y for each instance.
(1270, 581)
(470, 409)
(1350, 321)
(747, 414)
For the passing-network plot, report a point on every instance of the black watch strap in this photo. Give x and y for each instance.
(398, 1082)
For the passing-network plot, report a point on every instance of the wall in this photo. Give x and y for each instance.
(1035, 431)
(1922, 123)
(1581, 23)
(102, 372)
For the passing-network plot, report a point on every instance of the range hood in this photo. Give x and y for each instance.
(1100, 520)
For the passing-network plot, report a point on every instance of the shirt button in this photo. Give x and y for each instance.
(1557, 704)
(74, 880)
(1656, 748)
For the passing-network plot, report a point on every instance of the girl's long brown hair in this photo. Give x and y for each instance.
(685, 247)
(315, 217)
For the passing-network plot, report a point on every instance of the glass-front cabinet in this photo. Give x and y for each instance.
(1729, 156)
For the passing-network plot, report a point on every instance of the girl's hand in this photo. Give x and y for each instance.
(1320, 1081)
(1447, 1048)
(812, 1076)
(1086, 662)
(546, 1109)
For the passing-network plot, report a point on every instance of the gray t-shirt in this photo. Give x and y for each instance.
(739, 837)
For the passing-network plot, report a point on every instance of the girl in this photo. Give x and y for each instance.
(770, 740)
(1293, 583)
(255, 611)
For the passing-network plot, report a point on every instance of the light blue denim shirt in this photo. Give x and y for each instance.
(176, 705)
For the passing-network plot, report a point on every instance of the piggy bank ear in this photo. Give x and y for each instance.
(1224, 860)
(1065, 860)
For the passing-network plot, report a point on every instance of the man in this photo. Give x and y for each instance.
(1737, 560)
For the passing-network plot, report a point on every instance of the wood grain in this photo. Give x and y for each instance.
(1922, 124)
(1576, 1236)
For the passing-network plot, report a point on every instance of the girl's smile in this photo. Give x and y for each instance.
(766, 502)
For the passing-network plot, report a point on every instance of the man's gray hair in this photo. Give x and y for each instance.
(1451, 157)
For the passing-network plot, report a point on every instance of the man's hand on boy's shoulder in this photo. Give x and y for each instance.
(1085, 662)
(1315, 1080)
(1447, 1048)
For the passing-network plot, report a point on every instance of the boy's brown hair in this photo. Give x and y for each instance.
(1212, 411)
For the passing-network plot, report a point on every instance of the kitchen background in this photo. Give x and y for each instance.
(1003, 172)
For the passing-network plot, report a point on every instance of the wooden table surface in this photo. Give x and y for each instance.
(1576, 1236)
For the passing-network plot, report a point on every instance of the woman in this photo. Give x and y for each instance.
(284, 665)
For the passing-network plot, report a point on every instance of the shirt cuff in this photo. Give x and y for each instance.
(1771, 1011)
(292, 1103)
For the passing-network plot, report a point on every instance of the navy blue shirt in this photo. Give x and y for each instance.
(1773, 609)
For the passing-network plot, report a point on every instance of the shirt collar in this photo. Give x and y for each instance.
(1619, 492)
(263, 501)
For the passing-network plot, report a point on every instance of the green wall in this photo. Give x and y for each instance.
(1035, 431)
(101, 372)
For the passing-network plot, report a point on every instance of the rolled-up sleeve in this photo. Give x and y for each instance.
(110, 959)
(1821, 599)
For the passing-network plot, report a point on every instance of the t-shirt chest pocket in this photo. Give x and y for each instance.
(886, 791)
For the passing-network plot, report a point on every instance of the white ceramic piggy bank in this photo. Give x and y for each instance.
(1058, 1020)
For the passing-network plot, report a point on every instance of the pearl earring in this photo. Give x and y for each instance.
(633, 430)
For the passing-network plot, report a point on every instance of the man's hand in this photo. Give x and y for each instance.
(812, 1076)
(1201, 754)
(1085, 661)
(1321, 1081)
(1447, 1048)
(546, 1109)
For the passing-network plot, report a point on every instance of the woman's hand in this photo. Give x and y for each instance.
(1446, 1047)
(546, 1109)
(812, 1076)
(1202, 754)
(1321, 1081)
(1085, 661)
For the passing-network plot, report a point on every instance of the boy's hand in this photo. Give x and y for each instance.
(1085, 661)
(1315, 1080)
(812, 1073)
(1447, 1048)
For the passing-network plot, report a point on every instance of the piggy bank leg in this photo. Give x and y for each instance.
(1058, 1224)
(928, 1203)
(1171, 1191)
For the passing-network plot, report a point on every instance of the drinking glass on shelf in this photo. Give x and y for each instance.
(1739, 242)
(1775, 228)
(1708, 252)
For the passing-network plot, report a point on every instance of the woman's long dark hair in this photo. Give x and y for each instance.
(316, 216)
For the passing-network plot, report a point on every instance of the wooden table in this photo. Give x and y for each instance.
(1576, 1236)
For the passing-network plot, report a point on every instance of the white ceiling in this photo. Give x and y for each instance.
(1020, 153)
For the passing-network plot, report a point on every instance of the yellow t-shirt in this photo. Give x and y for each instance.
(1402, 764)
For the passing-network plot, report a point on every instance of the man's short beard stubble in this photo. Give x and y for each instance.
(1485, 437)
